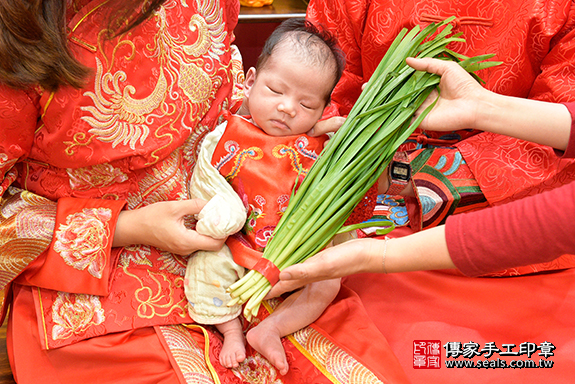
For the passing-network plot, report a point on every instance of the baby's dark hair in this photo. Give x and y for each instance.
(317, 43)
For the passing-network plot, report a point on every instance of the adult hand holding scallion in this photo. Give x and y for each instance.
(354, 159)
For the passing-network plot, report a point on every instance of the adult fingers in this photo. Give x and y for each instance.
(206, 243)
(428, 64)
(192, 206)
(298, 275)
(325, 126)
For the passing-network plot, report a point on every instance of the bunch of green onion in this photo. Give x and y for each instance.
(380, 121)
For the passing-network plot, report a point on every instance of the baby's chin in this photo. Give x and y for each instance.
(293, 132)
(278, 132)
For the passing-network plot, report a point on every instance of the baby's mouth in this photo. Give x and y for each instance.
(280, 124)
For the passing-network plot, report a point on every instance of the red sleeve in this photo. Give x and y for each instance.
(80, 258)
(532, 230)
(570, 150)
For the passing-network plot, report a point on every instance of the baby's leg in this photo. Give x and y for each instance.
(300, 309)
(234, 350)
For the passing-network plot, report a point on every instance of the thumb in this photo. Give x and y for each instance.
(193, 206)
(428, 64)
(325, 126)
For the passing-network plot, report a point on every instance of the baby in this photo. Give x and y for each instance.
(262, 154)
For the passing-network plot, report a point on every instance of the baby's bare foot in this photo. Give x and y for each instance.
(233, 352)
(265, 339)
(234, 349)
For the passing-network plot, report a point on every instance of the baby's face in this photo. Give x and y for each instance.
(287, 97)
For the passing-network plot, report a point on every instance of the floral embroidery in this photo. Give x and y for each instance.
(256, 369)
(83, 240)
(97, 176)
(264, 235)
(283, 201)
(72, 317)
(255, 213)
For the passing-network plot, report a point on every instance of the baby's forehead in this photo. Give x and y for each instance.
(315, 55)
(303, 44)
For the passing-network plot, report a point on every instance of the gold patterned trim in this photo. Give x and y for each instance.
(334, 362)
(305, 352)
(206, 351)
(187, 354)
(44, 327)
(26, 229)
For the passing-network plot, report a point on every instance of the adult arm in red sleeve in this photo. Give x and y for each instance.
(532, 230)
(570, 151)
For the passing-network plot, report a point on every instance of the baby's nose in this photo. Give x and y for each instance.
(287, 107)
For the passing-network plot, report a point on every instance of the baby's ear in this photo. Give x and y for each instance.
(249, 81)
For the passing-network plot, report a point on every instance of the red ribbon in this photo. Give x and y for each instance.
(251, 259)
(268, 269)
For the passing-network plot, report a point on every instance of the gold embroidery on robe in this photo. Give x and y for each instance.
(209, 26)
(137, 254)
(81, 242)
(75, 316)
(26, 227)
(157, 298)
(160, 182)
(97, 176)
(117, 117)
(343, 367)
(173, 263)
